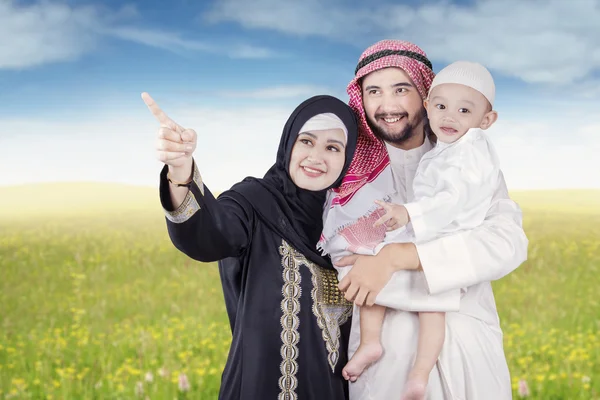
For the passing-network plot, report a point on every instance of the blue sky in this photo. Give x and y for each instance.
(71, 74)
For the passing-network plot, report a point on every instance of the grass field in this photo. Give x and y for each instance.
(95, 302)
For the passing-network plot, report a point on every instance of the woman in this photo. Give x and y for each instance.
(281, 295)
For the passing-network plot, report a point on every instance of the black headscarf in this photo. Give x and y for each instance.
(294, 213)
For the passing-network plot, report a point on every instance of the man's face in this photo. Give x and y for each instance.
(393, 105)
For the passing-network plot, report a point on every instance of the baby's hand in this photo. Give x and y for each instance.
(396, 216)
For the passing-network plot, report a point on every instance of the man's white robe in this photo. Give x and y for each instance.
(456, 276)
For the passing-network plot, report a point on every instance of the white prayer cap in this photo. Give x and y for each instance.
(325, 121)
(471, 74)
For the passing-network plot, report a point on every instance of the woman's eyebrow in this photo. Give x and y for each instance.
(336, 141)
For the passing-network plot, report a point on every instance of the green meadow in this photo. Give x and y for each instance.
(96, 303)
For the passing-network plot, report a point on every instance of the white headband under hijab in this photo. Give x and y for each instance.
(322, 122)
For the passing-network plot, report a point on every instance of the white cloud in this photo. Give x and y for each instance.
(235, 142)
(548, 154)
(44, 33)
(251, 52)
(51, 32)
(588, 90)
(279, 92)
(157, 38)
(172, 41)
(553, 41)
(120, 148)
(301, 17)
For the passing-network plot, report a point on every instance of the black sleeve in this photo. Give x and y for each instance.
(204, 228)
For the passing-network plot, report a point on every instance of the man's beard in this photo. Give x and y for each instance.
(409, 131)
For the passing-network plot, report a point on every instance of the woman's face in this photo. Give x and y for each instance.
(318, 158)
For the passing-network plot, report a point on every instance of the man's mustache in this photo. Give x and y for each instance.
(391, 115)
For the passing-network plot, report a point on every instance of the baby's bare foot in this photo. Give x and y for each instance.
(364, 356)
(415, 388)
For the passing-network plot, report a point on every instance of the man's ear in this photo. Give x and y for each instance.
(488, 119)
(426, 103)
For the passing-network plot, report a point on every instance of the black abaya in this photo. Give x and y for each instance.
(286, 313)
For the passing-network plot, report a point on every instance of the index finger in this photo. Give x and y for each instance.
(344, 283)
(371, 297)
(384, 218)
(346, 261)
(361, 297)
(159, 114)
(385, 205)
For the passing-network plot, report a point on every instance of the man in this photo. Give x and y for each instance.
(451, 274)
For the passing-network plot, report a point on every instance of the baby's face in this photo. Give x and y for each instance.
(453, 109)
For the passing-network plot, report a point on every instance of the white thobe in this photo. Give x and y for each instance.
(456, 273)
(453, 186)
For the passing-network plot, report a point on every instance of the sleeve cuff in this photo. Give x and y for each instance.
(190, 204)
(419, 227)
(407, 291)
(446, 264)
